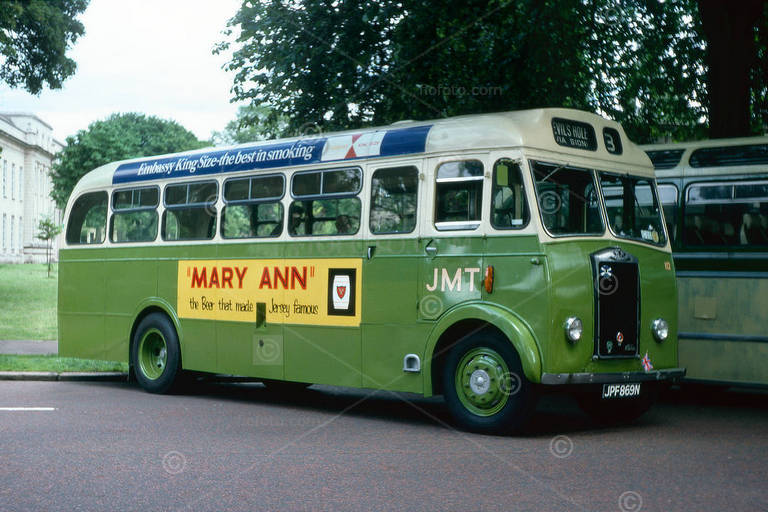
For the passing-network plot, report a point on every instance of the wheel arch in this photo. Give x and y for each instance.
(468, 319)
(149, 306)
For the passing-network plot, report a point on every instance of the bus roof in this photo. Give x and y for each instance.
(568, 132)
(739, 155)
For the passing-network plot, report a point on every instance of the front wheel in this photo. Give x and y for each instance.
(484, 385)
(155, 353)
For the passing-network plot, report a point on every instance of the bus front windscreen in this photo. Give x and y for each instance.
(632, 207)
(568, 199)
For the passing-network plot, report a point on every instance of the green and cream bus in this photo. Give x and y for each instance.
(484, 258)
(715, 196)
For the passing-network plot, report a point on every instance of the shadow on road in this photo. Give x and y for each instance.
(555, 414)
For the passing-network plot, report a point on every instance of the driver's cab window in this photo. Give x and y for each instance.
(509, 209)
(458, 195)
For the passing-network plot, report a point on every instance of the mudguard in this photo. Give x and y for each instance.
(513, 327)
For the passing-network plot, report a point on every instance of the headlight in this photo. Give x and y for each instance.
(660, 329)
(573, 329)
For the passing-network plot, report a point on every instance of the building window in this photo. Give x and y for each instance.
(21, 236)
(5, 177)
(4, 228)
(13, 176)
(21, 182)
(12, 243)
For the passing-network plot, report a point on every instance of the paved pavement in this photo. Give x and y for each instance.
(95, 446)
(28, 347)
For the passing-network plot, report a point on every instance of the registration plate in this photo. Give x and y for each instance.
(621, 390)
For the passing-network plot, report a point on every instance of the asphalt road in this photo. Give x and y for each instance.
(110, 446)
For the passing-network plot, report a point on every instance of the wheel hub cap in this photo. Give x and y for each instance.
(153, 354)
(483, 381)
(479, 382)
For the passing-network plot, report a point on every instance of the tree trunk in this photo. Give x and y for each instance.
(729, 27)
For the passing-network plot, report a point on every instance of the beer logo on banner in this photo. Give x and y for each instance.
(341, 291)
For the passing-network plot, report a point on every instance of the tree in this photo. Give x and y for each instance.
(253, 122)
(356, 62)
(119, 137)
(34, 38)
(732, 34)
(47, 230)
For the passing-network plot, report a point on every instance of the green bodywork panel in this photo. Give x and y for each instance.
(414, 291)
(713, 309)
(572, 294)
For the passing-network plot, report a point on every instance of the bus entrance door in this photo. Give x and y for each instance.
(451, 273)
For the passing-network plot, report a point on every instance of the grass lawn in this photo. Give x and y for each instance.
(28, 302)
(18, 363)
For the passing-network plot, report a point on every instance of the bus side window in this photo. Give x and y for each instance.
(326, 202)
(393, 200)
(324, 217)
(135, 215)
(509, 209)
(726, 214)
(190, 211)
(458, 195)
(253, 208)
(88, 219)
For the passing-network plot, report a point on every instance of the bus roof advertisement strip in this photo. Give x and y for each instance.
(301, 152)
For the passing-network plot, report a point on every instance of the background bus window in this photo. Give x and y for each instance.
(568, 200)
(134, 217)
(726, 214)
(669, 202)
(88, 219)
(320, 217)
(253, 208)
(190, 211)
(459, 195)
(393, 200)
(509, 209)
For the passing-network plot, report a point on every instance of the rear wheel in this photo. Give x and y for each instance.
(155, 353)
(484, 385)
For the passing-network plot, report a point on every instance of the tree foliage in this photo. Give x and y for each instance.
(119, 137)
(350, 63)
(253, 122)
(34, 38)
(47, 230)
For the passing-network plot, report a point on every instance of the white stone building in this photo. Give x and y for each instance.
(27, 150)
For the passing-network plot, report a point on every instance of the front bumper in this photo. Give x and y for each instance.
(669, 374)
